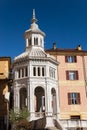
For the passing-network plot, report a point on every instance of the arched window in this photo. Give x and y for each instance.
(40, 99)
(23, 98)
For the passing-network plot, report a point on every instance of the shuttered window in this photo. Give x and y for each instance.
(70, 59)
(72, 75)
(74, 98)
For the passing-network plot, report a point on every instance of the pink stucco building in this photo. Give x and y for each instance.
(72, 77)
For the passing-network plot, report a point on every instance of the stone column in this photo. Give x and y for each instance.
(32, 111)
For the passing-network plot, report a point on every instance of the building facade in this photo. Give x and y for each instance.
(5, 63)
(35, 78)
(51, 83)
(72, 77)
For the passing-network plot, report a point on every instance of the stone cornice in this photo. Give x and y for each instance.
(26, 59)
(67, 52)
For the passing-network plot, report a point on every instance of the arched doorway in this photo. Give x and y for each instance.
(23, 98)
(54, 101)
(40, 99)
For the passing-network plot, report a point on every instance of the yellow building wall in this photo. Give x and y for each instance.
(4, 69)
(4, 78)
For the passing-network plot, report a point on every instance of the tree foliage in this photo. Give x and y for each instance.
(18, 115)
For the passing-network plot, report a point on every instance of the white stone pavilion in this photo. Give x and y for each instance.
(35, 78)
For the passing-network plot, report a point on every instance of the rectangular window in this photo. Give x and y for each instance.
(52, 72)
(1, 73)
(29, 42)
(70, 59)
(38, 71)
(75, 117)
(22, 72)
(19, 73)
(26, 71)
(73, 98)
(34, 71)
(72, 75)
(42, 71)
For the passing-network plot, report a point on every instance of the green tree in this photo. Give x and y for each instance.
(18, 118)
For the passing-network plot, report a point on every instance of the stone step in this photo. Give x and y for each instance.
(52, 128)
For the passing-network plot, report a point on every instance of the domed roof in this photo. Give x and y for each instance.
(33, 53)
(36, 52)
(34, 29)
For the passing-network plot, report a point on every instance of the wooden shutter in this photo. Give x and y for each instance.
(67, 75)
(75, 58)
(78, 98)
(77, 77)
(69, 98)
(66, 58)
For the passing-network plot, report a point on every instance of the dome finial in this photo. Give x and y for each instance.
(34, 20)
(33, 13)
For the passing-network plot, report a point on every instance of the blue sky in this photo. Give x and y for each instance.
(63, 21)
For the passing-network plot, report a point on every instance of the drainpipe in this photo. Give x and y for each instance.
(84, 71)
